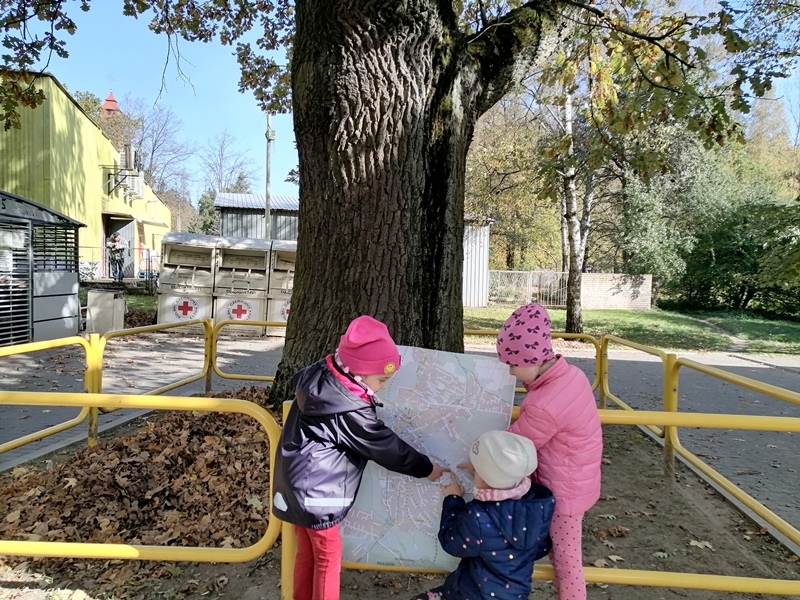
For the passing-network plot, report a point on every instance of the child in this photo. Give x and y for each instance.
(330, 433)
(500, 533)
(559, 416)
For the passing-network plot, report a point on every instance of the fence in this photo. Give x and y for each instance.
(548, 288)
(668, 420)
(93, 263)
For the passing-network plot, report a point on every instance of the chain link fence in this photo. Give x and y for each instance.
(548, 288)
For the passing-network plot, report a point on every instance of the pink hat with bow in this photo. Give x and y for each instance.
(524, 340)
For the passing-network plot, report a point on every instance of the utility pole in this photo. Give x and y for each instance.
(270, 139)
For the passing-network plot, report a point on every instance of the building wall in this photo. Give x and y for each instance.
(611, 290)
(476, 266)
(238, 222)
(62, 159)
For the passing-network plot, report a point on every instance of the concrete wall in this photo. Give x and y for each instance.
(612, 290)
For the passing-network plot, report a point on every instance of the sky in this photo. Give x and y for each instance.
(114, 52)
(110, 51)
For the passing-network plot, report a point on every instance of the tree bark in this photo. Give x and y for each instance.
(386, 96)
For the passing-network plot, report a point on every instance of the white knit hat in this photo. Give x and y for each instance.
(502, 459)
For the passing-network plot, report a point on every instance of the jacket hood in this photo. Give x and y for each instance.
(318, 392)
(515, 522)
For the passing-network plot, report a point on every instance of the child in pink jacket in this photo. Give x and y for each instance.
(559, 415)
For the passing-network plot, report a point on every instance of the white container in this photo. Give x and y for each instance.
(105, 311)
(176, 308)
(281, 284)
(278, 311)
(242, 267)
(240, 308)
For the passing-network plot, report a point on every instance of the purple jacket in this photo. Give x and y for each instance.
(559, 415)
(329, 435)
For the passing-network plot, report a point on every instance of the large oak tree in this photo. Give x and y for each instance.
(385, 96)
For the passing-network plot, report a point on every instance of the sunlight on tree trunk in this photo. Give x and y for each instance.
(574, 318)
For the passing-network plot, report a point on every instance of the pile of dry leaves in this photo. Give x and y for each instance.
(139, 317)
(187, 479)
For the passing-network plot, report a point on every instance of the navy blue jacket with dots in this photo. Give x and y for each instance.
(497, 542)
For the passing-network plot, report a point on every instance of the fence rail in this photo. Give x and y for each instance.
(665, 423)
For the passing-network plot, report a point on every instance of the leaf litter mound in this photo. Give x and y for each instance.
(186, 479)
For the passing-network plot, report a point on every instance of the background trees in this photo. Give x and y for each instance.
(386, 98)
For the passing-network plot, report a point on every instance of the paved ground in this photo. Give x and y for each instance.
(762, 463)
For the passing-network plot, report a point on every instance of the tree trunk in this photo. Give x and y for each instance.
(564, 235)
(574, 317)
(385, 99)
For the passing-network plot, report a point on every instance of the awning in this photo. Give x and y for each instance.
(117, 215)
(156, 223)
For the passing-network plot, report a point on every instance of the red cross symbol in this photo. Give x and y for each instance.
(239, 311)
(185, 308)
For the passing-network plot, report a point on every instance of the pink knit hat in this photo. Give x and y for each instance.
(524, 339)
(366, 348)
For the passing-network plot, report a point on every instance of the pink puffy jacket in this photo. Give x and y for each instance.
(559, 415)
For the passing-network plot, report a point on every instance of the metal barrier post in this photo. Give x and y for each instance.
(94, 367)
(670, 405)
(288, 542)
(603, 368)
(211, 351)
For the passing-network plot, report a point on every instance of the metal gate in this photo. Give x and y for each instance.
(15, 283)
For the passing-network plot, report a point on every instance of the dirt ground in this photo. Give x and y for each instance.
(643, 521)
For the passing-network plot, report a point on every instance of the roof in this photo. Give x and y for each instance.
(190, 239)
(256, 201)
(17, 207)
(110, 105)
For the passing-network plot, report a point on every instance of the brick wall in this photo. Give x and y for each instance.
(613, 290)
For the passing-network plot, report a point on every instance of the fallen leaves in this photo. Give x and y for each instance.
(184, 480)
(701, 544)
(616, 531)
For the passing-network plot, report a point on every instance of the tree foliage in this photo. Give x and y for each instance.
(502, 186)
(662, 44)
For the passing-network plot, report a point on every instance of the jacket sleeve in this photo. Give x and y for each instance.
(362, 432)
(535, 424)
(458, 530)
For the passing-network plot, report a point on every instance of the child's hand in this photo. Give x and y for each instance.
(437, 472)
(453, 488)
(467, 466)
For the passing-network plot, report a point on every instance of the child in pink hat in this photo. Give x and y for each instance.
(331, 432)
(559, 415)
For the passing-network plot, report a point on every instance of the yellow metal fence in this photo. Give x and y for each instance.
(664, 424)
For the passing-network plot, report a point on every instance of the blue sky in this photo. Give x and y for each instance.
(112, 52)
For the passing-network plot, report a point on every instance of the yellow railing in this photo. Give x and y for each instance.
(720, 583)
(208, 326)
(669, 420)
(88, 383)
(140, 552)
(672, 441)
(215, 340)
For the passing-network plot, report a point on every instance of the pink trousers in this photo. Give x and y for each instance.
(566, 556)
(318, 564)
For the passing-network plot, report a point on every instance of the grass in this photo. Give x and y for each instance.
(141, 301)
(766, 336)
(133, 300)
(662, 329)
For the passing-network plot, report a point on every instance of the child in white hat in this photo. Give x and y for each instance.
(503, 531)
